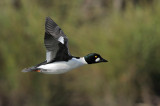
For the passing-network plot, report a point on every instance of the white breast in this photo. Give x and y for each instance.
(62, 66)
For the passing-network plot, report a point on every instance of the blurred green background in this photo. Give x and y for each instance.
(125, 32)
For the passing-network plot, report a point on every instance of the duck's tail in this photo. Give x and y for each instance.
(33, 68)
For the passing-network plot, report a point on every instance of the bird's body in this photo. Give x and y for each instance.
(58, 58)
(62, 66)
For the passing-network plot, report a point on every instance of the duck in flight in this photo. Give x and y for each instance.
(58, 58)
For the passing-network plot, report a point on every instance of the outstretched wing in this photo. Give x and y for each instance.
(56, 42)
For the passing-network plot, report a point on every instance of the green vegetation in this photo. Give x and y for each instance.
(128, 38)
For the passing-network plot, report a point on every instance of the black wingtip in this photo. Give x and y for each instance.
(49, 21)
(48, 18)
(50, 25)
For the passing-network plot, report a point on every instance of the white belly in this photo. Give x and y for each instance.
(62, 66)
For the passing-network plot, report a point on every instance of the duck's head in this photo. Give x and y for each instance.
(94, 58)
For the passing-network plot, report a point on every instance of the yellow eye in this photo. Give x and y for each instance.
(95, 56)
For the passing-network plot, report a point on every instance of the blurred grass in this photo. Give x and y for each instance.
(129, 39)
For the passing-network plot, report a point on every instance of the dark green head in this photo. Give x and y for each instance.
(94, 58)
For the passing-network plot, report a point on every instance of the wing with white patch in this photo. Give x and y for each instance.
(56, 42)
(61, 39)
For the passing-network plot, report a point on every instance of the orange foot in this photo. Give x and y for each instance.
(37, 70)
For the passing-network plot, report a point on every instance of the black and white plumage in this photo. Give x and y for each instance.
(58, 58)
(56, 42)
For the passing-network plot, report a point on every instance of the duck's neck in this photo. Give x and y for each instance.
(81, 60)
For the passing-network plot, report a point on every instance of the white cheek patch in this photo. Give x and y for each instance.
(97, 59)
(61, 39)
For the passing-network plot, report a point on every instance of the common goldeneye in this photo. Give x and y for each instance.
(58, 58)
